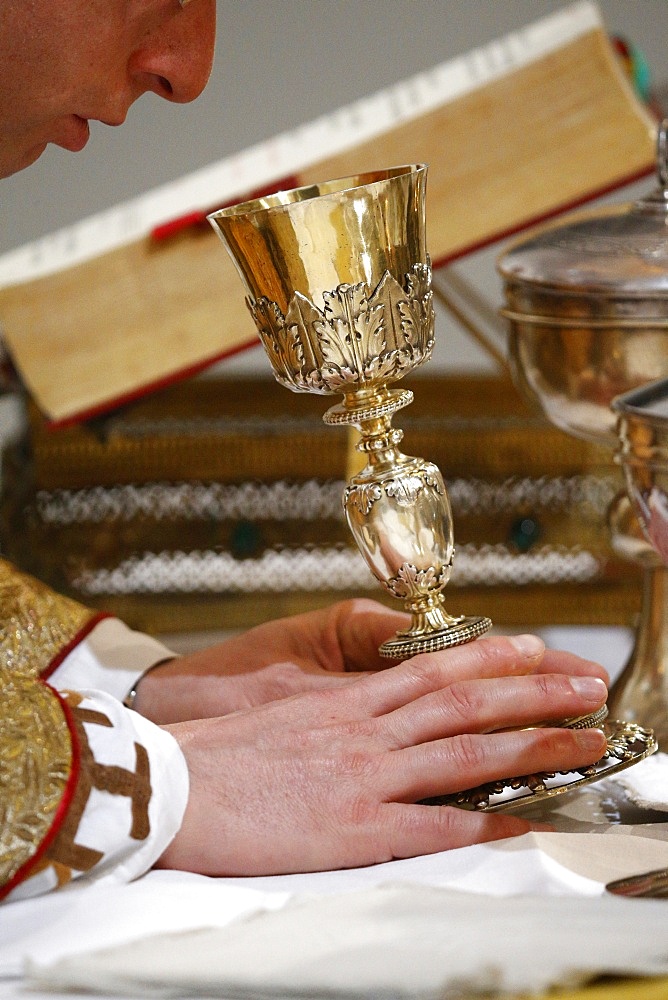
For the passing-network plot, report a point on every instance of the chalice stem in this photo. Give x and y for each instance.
(399, 514)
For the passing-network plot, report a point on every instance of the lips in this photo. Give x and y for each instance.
(74, 134)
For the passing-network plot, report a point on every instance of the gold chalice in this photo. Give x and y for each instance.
(587, 308)
(339, 285)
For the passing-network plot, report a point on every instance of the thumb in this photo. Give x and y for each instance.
(362, 626)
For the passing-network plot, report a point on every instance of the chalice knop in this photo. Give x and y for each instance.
(339, 286)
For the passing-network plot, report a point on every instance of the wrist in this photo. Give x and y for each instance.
(136, 700)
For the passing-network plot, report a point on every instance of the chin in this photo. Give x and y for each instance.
(12, 162)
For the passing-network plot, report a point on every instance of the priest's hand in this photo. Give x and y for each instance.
(279, 658)
(306, 652)
(333, 778)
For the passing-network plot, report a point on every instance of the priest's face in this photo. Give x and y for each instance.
(66, 62)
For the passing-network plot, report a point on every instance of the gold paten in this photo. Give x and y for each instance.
(627, 744)
(339, 284)
(35, 623)
(35, 763)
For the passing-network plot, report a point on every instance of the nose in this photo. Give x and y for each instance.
(175, 60)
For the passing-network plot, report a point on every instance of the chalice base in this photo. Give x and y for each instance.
(416, 640)
(628, 744)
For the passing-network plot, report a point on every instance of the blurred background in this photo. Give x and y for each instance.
(283, 63)
(279, 64)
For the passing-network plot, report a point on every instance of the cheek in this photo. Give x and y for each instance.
(75, 52)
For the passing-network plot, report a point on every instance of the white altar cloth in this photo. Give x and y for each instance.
(520, 914)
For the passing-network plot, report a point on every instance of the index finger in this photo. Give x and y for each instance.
(496, 656)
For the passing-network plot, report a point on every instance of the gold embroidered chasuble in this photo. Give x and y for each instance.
(37, 745)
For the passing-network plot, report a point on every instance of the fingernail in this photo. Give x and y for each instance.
(589, 739)
(589, 688)
(528, 645)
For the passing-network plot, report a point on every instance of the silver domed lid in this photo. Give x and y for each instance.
(619, 252)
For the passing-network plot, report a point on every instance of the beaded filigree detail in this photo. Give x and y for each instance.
(35, 622)
(35, 763)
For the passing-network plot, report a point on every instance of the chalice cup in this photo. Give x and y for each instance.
(339, 286)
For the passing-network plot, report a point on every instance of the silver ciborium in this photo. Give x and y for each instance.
(587, 308)
(642, 428)
(339, 286)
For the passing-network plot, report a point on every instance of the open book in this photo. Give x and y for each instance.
(144, 294)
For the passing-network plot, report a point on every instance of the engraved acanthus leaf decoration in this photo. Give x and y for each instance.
(311, 382)
(411, 582)
(405, 489)
(388, 365)
(362, 497)
(293, 361)
(433, 478)
(417, 312)
(271, 326)
(351, 339)
(418, 283)
(358, 339)
(334, 379)
(352, 330)
(270, 323)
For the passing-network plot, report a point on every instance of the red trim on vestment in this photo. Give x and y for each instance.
(79, 637)
(63, 806)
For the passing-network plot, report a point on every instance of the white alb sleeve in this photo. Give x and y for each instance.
(127, 802)
(111, 658)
